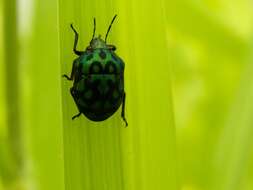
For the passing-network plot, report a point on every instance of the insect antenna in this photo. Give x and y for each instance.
(94, 29)
(109, 27)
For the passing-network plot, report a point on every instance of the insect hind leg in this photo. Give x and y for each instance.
(123, 109)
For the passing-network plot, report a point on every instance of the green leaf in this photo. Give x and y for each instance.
(106, 155)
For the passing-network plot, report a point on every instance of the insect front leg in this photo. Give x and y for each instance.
(123, 109)
(76, 41)
(74, 69)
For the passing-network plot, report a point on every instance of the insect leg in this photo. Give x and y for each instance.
(72, 92)
(76, 41)
(77, 115)
(74, 68)
(123, 109)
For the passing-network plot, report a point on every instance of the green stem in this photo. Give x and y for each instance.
(11, 54)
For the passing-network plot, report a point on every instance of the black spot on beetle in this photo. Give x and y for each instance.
(95, 68)
(110, 68)
(102, 54)
(89, 57)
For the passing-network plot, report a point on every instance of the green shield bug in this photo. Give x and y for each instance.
(98, 75)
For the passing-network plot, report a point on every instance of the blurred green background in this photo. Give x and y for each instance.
(189, 101)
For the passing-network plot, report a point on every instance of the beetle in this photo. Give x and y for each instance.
(98, 79)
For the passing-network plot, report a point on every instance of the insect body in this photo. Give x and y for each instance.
(98, 74)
